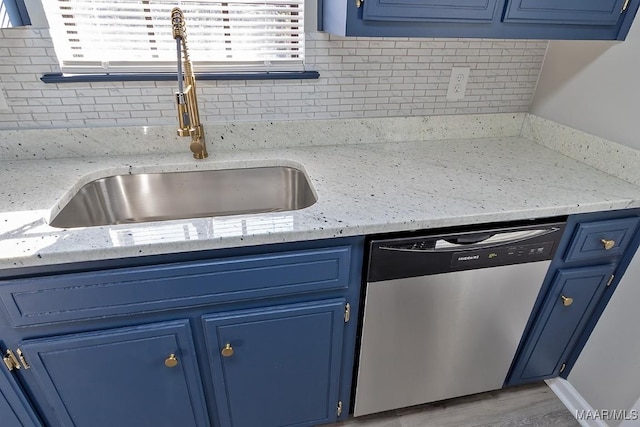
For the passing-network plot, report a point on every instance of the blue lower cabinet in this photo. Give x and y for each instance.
(136, 376)
(572, 298)
(277, 366)
(15, 411)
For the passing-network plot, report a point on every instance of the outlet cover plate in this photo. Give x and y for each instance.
(458, 83)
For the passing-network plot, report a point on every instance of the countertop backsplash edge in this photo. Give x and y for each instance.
(608, 156)
(39, 144)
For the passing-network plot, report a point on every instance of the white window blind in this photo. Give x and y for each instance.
(134, 36)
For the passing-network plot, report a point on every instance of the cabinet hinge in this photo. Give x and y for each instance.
(25, 365)
(564, 365)
(359, 3)
(339, 408)
(625, 6)
(10, 360)
(610, 280)
(347, 312)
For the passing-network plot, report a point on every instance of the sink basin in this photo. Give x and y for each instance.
(179, 195)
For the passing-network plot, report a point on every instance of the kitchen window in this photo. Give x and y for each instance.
(125, 37)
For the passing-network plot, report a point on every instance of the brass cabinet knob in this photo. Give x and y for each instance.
(227, 351)
(566, 301)
(608, 244)
(171, 361)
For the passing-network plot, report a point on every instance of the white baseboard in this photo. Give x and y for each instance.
(574, 402)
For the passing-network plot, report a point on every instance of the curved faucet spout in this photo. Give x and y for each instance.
(186, 99)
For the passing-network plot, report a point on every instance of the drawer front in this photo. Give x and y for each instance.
(141, 289)
(601, 239)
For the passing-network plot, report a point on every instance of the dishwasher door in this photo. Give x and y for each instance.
(431, 337)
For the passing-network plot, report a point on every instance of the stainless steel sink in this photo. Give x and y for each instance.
(178, 195)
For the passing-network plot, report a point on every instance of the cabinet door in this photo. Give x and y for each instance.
(120, 377)
(566, 310)
(585, 12)
(15, 410)
(278, 366)
(430, 10)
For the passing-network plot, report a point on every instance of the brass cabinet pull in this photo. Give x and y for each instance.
(566, 301)
(227, 351)
(171, 361)
(608, 244)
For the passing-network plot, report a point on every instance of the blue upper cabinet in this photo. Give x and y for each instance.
(430, 10)
(13, 13)
(573, 12)
(500, 19)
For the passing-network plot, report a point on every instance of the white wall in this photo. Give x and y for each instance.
(607, 373)
(359, 77)
(593, 87)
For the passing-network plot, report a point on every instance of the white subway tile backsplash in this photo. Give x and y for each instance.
(359, 77)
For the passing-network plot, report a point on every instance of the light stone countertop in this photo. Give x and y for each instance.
(361, 189)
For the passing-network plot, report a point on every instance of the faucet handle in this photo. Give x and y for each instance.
(197, 146)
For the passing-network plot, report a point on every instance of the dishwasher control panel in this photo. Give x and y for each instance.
(424, 254)
(503, 255)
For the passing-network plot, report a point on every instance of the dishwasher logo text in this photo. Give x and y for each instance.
(468, 258)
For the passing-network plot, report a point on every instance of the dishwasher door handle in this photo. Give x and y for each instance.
(496, 239)
(486, 239)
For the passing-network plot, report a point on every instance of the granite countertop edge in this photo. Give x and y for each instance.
(362, 189)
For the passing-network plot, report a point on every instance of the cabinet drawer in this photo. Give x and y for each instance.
(140, 289)
(592, 239)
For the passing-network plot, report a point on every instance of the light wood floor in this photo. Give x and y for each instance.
(530, 405)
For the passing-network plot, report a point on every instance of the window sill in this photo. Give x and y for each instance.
(146, 77)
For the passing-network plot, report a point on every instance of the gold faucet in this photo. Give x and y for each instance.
(188, 116)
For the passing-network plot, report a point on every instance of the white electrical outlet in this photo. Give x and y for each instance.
(458, 83)
(3, 102)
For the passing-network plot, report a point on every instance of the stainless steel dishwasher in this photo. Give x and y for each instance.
(444, 314)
